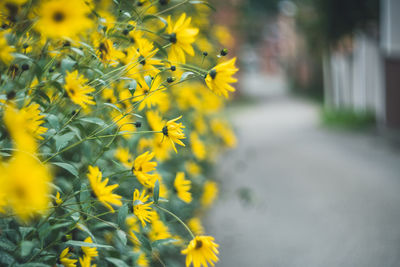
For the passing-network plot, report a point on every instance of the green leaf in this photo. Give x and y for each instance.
(194, 2)
(94, 120)
(86, 244)
(63, 140)
(186, 74)
(122, 236)
(7, 245)
(132, 86)
(144, 241)
(78, 51)
(113, 106)
(161, 242)
(25, 231)
(21, 56)
(67, 64)
(117, 262)
(148, 80)
(6, 259)
(85, 229)
(26, 248)
(53, 121)
(156, 191)
(68, 167)
(122, 213)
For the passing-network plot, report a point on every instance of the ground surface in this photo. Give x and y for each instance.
(310, 196)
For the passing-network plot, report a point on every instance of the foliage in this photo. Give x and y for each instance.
(109, 131)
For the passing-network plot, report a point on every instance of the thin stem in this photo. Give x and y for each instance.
(176, 218)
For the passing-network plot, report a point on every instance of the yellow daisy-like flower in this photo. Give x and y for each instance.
(181, 36)
(65, 259)
(149, 96)
(24, 125)
(220, 77)
(201, 251)
(90, 251)
(192, 168)
(86, 261)
(63, 18)
(140, 60)
(223, 130)
(33, 120)
(102, 190)
(5, 50)
(210, 192)
(173, 132)
(58, 199)
(196, 226)
(142, 166)
(26, 184)
(198, 147)
(142, 260)
(158, 230)
(123, 155)
(77, 90)
(141, 209)
(183, 187)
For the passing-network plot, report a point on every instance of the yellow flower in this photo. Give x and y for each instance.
(105, 50)
(125, 123)
(196, 226)
(158, 230)
(123, 155)
(33, 120)
(149, 96)
(142, 166)
(222, 129)
(63, 18)
(108, 95)
(183, 187)
(77, 90)
(198, 147)
(65, 259)
(90, 251)
(220, 77)
(142, 260)
(161, 149)
(181, 36)
(201, 251)
(210, 192)
(26, 184)
(102, 190)
(86, 261)
(173, 131)
(140, 60)
(223, 35)
(24, 125)
(5, 49)
(192, 168)
(141, 209)
(58, 199)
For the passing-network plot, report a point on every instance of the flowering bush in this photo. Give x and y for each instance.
(111, 122)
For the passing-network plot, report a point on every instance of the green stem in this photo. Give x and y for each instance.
(176, 218)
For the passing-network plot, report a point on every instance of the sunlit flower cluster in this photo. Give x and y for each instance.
(111, 119)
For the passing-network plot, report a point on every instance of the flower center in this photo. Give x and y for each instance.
(58, 16)
(172, 38)
(213, 73)
(199, 244)
(165, 130)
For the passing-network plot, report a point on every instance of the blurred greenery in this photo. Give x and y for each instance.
(347, 119)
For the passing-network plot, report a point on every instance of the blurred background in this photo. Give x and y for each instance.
(315, 179)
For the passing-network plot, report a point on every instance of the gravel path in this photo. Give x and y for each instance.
(296, 194)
